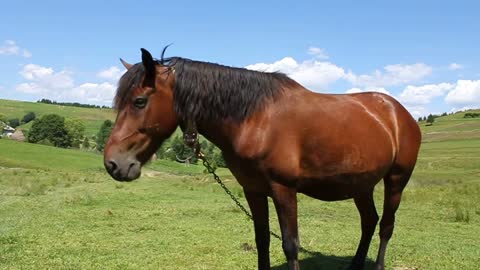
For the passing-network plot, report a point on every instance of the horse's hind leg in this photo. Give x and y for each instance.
(395, 182)
(369, 219)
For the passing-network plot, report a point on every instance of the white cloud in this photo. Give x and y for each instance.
(112, 74)
(30, 88)
(319, 53)
(391, 75)
(466, 94)
(455, 66)
(417, 110)
(33, 72)
(11, 48)
(92, 92)
(46, 82)
(372, 89)
(43, 79)
(26, 53)
(316, 75)
(422, 95)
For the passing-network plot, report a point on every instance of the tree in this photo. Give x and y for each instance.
(103, 134)
(30, 116)
(3, 118)
(430, 119)
(419, 119)
(50, 129)
(86, 143)
(179, 151)
(14, 122)
(76, 131)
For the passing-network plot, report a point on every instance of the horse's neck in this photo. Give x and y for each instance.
(219, 133)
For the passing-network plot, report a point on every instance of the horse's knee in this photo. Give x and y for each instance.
(290, 248)
(386, 230)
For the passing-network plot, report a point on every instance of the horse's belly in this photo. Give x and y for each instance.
(338, 187)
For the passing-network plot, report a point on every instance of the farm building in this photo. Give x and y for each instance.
(7, 131)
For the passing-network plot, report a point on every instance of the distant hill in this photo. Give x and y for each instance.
(92, 117)
(452, 127)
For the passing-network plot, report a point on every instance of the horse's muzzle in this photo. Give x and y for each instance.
(123, 169)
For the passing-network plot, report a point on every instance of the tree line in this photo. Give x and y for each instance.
(430, 119)
(71, 104)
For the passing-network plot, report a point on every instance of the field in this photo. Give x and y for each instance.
(60, 210)
(93, 118)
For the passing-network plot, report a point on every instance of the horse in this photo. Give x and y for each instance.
(277, 137)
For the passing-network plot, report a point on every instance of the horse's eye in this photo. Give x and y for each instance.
(140, 102)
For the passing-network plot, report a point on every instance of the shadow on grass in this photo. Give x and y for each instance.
(317, 260)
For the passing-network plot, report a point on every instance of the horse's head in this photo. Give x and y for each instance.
(146, 117)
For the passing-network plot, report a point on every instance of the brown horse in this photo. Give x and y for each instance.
(277, 137)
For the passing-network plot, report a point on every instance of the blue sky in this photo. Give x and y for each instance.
(424, 53)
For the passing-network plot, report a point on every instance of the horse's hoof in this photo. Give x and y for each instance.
(379, 267)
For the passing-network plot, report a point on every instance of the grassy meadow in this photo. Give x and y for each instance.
(60, 210)
(93, 118)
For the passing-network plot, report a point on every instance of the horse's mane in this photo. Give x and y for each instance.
(206, 91)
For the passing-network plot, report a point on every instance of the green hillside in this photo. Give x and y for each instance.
(452, 127)
(92, 117)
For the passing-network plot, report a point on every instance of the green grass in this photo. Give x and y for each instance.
(452, 127)
(92, 117)
(60, 210)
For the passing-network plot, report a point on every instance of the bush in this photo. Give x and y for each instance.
(86, 143)
(471, 115)
(430, 119)
(30, 116)
(51, 128)
(103, 134)
(14, 122)
(174, 149)
(3, 118)
(76, 131)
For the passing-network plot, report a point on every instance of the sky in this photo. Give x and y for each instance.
(424, 53)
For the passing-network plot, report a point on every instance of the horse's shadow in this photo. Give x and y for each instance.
(317, 260)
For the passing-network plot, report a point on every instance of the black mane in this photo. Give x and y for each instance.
(206, 91)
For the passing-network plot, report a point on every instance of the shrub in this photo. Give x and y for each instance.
(76, 131)
(14, 122)
(30, 116)
(103, 134)
(471, 115)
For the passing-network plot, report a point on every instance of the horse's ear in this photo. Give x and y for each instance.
(125, 64)
(148, 63)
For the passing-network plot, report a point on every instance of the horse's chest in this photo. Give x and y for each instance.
(247, 175)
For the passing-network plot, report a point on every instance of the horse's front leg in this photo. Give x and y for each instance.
(285, 200)
(259, 206)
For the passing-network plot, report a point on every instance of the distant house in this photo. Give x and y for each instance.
(8, 131)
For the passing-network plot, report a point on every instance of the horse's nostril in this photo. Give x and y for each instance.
(111, 165)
